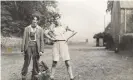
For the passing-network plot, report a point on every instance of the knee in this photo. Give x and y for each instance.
(67, 63)
(54, 64)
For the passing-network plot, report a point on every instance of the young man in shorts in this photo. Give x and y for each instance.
(60, 48)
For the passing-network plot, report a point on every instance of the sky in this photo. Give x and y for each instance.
(84, 16)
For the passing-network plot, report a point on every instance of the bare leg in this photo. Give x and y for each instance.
(53, 69)
(69, 69)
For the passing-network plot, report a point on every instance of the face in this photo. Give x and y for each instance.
(34, 22)
(52, 26)
(58, 22)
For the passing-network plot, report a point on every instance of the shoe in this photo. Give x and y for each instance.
(35, 77)
(73, 78)
(51, 78)
(23, 77)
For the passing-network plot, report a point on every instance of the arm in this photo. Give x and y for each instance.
(49, 35)
(42, 41)
(23, 41)
(68, 29)
(71, 36)
(73, 33)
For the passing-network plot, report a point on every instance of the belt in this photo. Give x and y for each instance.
(32, 43)
(59, 40)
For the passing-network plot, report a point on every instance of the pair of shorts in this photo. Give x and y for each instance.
(60, 49)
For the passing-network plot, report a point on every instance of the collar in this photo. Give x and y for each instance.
(37, 27)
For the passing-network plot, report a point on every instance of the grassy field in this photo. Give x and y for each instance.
(89, 63)
(13, 45)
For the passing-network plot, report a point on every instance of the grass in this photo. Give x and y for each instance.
(9, 44)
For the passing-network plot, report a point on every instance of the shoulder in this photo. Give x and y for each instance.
(26, 28)
(56, 28)
(40, 28)
(46, 31)
(63, 28)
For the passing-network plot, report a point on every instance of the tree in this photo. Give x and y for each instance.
(15, 15)
(109, 5)
(98, 35)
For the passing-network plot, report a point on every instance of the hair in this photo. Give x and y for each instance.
(33, 16)
(56, 23)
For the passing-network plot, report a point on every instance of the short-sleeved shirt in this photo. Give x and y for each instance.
(59, 33)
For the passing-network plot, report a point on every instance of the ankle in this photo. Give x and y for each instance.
(51, 77)
(23, 76)
(72, 77)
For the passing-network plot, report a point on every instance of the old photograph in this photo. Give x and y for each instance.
(66, 39)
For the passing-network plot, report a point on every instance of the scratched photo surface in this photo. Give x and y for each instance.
(94, 36)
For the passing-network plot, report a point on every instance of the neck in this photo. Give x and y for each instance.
(33, 26)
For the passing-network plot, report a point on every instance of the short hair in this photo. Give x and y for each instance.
(33, 16)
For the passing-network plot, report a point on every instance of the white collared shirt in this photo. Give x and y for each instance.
(59, 33)
(33, 30)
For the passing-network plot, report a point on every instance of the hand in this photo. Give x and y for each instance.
(40, 53)
(23, 53)
(52, 39)
(74, 31)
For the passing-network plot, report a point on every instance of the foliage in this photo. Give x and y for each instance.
(109, 5)
(99, 35)
(15, 15)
